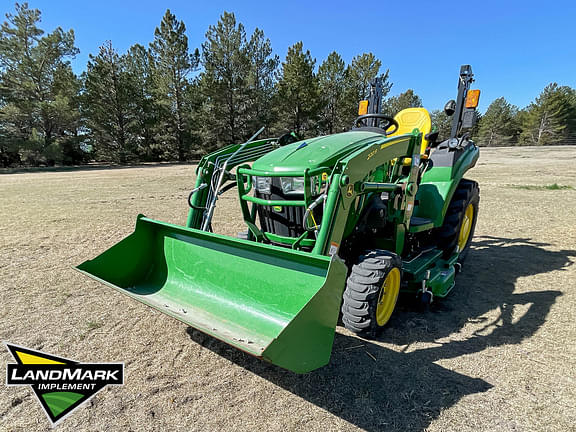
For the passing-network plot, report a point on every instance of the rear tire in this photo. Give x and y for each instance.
(460, 221)
(371, 292)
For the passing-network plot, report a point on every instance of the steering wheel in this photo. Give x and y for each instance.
(389, 121)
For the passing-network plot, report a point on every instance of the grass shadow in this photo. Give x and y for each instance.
(376, 388)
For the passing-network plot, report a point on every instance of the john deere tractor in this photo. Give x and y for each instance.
(335, 224)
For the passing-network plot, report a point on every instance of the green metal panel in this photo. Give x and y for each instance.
(418, 265)
(271, 302)
(435, 189)
(438, 185)
(442, 279)
(440, 272)
(315, 152)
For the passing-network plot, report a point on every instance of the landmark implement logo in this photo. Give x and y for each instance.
(60, 384)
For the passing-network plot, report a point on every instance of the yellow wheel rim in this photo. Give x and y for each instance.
(466, 227)
(388, 296)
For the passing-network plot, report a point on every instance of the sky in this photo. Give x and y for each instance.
(515, 47)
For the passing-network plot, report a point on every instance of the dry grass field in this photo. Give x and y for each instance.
(498, 355)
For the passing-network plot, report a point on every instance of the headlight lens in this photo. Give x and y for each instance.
(290, 185)
(294, 185)
(262, 184)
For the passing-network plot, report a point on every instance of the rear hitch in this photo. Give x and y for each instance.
(426, 296)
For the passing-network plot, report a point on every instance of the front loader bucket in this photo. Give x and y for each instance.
(274, 303)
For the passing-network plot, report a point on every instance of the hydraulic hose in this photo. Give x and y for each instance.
(308, 212)
(199, 188)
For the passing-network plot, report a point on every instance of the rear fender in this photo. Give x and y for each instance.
(439, 183)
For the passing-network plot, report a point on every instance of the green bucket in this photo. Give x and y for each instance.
(274, 303)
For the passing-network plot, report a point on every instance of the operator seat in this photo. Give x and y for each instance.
(410, 118)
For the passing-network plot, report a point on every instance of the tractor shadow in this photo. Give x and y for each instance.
(376, 388)
(487, 282)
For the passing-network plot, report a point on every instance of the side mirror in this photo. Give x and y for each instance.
(450, 107)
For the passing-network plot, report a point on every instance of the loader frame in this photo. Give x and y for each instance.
(373, 169)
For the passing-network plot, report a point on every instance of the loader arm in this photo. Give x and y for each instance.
(355, 181)
(211, 163)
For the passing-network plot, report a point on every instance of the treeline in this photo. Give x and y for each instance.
(169, 101)
(549, 120)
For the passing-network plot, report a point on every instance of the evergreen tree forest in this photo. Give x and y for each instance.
(170, 101)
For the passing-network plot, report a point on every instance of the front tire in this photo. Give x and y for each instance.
(371, 292)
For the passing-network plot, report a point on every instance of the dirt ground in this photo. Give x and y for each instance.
(498, 355)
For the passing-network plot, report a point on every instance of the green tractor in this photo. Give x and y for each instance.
(335, 224)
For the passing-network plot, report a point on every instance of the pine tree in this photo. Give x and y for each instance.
(173, 65)
(298, 92)
(66, 146)
(261, 81)
(225, 81)
(363, 69)
(139, 68)
(545, 121)
(107, 102)
(332, 79)
(442, 123)
(571, 124)
(193, 104)
(395, 104)
(498, 125)
(38, 108)
(9, 147)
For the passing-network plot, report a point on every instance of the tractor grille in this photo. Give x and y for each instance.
(283, 220)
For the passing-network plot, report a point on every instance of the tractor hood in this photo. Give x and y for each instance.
(317, 152)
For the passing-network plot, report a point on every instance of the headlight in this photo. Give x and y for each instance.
(292, 185)
(295, 185)
(262, 184)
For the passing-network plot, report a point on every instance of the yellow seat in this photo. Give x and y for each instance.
(410, 118)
